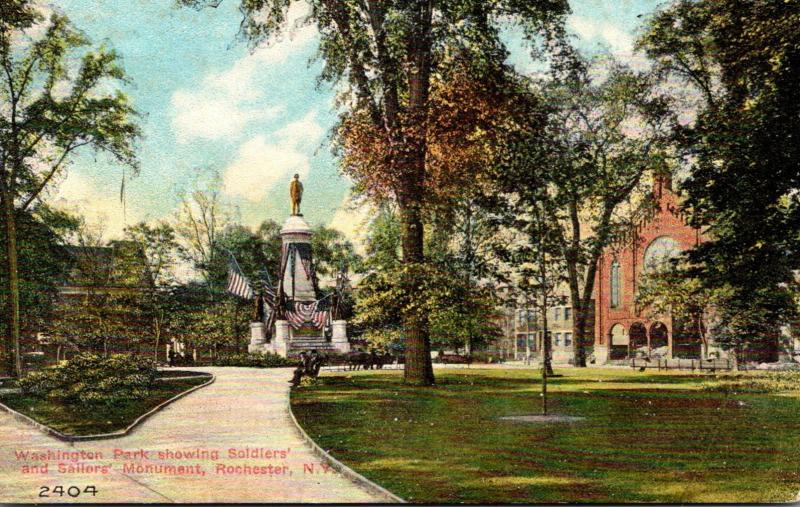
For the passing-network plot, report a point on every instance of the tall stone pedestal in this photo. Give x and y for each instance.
(339, 336)
(258, 337)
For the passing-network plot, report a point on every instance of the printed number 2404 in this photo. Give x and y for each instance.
(73, 491)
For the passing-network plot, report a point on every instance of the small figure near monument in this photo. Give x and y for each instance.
(296, 194)
(308, 365)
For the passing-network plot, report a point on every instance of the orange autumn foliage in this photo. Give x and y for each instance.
(468, 119)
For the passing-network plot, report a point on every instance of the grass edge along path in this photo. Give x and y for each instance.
(647, 437)
(72, 420)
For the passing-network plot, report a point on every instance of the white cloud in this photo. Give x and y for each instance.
(208, 116)
(99, 205)
(260, 164)
(618, 40)
(225, 102)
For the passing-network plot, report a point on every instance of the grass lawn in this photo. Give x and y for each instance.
(84, 420)
(647, 437)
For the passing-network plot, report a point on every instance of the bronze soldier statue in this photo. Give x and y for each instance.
(296, 193)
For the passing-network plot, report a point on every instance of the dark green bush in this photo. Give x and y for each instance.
(92, 379)
(265, 360)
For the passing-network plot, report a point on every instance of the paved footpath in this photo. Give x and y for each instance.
(244, 411)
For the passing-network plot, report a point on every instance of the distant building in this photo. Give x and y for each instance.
(560, 319)
(523, 337)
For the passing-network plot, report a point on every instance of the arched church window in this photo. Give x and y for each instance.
(615, 284)
(659, 252)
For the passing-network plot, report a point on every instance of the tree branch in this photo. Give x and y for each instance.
(70, 148)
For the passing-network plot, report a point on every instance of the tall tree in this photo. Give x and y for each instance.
(51, 109)
(388, 52)
(740, 63)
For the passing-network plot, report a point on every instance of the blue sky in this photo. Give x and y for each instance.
(209, 104)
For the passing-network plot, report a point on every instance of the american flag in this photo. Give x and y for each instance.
(238, 285)
(266, 284)
(307, 312)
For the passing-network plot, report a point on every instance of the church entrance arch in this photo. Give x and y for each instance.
(618, 339)
(638, 339)
(659, 339)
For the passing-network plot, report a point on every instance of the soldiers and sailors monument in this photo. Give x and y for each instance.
(296, 316)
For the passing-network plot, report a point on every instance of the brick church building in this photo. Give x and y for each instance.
(621, 328)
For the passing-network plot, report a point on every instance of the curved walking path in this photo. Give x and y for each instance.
(242, 417)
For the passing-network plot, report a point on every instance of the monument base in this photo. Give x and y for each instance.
(284, 343)
(258, 337)
(339, 337)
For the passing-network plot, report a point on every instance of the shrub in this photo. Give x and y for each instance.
(261, 360)
(759, 382)
(91, 379)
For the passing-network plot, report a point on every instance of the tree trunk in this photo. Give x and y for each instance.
(578, 333)
(14, 357)
(578, 307)
(547, 366)
(702, 335)
(418, 368)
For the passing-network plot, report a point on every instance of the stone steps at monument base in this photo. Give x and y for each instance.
(320, 344)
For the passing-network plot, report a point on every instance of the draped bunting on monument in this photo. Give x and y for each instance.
(313, 313)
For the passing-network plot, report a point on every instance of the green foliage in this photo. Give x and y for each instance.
(333, 252)
(92, 380)
(253, 251)
(116, 310)
(218, 321)
(43, 264)
(459, 310)
(261, 360)
(59, 123)
(383, 240)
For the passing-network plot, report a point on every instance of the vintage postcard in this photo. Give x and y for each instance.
(389, 251)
